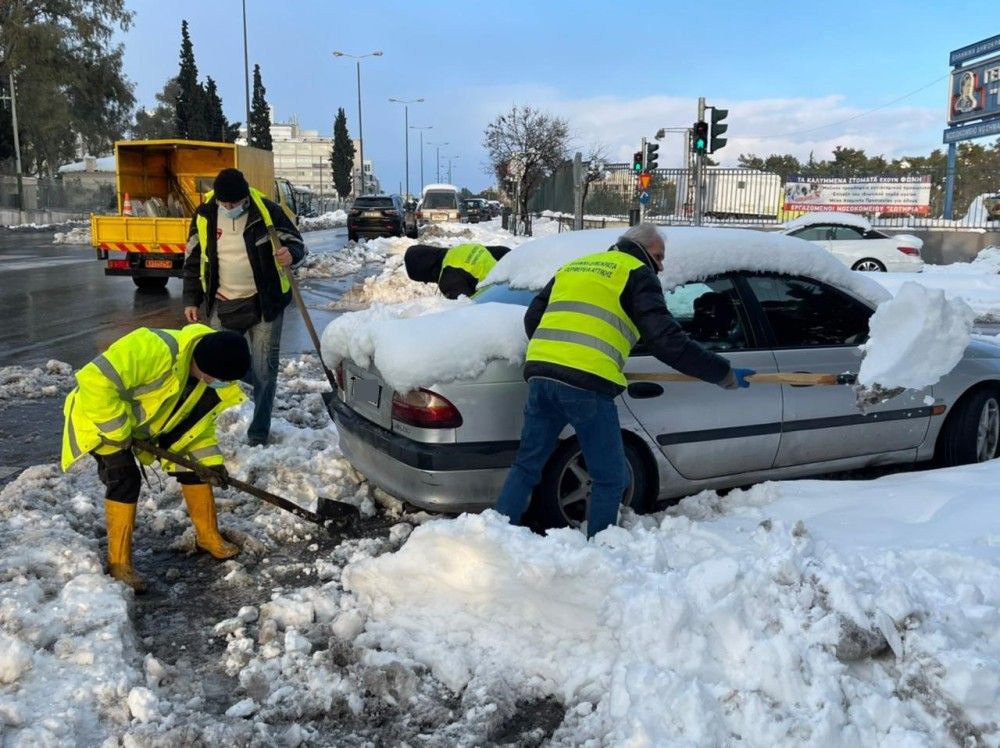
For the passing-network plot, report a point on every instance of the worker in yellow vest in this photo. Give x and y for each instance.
(165, 386)
(581, 328)
(457, 271)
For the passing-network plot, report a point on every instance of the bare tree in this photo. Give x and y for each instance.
(597, 164)
(536, 142)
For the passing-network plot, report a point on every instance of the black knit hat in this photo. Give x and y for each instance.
(231, 186)
(223, 355)
(423, 262)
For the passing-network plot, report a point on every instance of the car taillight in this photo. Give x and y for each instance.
(118, 264)
(420, 215)
(355, 212)
(425, 409)
(912, 251)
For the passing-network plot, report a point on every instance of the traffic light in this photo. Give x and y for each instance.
(637, 162)
(717, 128)
(651, 149)
(699, 138)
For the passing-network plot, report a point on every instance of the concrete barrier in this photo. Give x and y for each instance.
(14, 217)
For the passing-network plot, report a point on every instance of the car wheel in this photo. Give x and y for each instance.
(560, 499)
(972, 431)
(351, 236)
(869, 265)
(151, 284)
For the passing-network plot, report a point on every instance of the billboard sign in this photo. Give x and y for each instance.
(971, 51)
(897, 195)
(975, 91)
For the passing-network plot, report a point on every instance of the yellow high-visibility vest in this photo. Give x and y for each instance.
(584, 326)
(474, 259)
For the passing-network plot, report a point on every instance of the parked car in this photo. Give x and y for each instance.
(764, 301)
(438, 203)
(473, 210)
(375, 215)
(495, 208)
(853, 241)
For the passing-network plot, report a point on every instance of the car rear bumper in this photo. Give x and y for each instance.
(385, 227)
(438, 477)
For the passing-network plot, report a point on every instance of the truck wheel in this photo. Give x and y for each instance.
(151, 284)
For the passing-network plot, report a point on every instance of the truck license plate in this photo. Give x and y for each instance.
(166, 264)
(366, 390)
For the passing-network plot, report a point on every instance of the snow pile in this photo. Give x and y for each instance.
(915, 338)
(331, 220)
(18, 383)
(346, 261)
(843, 219)
(731, 628)
(78, 235)
(45, 226)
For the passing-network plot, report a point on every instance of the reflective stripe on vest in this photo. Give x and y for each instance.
(474, 259)
(584, 326)
(202, 224)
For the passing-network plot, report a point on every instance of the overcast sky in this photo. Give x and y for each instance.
(796, 78)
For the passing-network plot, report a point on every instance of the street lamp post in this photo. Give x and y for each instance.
(427, 127)
(450, 158)
(246, 68)
(406, 133)
(361, 138)
(438, 158)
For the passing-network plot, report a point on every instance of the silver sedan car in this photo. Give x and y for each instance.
(766, 302)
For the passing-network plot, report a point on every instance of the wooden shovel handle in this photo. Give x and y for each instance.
(791, 377)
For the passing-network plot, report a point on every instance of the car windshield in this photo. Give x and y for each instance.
(504, 294)
(373, 202)
(440, 200)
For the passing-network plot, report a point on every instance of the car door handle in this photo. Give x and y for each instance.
(644, 390)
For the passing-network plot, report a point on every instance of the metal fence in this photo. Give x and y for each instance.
(737, 197)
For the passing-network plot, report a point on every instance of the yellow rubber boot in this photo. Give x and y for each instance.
(121, 521)
(201, 506)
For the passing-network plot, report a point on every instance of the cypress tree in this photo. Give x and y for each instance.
(259, 131)
(188, 109)
(342, 155)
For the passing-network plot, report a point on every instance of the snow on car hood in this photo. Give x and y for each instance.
(431, 341)
(692, 254)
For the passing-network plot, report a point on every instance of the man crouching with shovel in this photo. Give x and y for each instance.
(167, 387)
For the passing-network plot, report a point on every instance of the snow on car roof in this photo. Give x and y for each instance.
(842, 219)
(692, 254)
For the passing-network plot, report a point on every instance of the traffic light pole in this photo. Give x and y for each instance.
(699, 168)
(642, 208)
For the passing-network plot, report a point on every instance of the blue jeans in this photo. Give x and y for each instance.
(265, 346)
(551, 405)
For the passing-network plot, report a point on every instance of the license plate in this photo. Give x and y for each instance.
(367, 390)
(166, 264)
(372, 214)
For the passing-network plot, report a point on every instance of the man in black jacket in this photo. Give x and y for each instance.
(234, 280)
(457, 271)
(581, 327)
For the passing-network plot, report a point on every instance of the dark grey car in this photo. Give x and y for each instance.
(764, 313)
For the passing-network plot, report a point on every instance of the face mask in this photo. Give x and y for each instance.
(217, 384)
(234, 213)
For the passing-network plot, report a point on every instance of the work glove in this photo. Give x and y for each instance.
(737, 378)
(220, 477)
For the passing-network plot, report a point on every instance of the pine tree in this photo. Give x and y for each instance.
(259, 132)
(217, 127)
(189, 118)
(342, 155)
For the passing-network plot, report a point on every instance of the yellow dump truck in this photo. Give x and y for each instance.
(160, 183)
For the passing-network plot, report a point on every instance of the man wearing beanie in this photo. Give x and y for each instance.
(233, 280)
(165, 386)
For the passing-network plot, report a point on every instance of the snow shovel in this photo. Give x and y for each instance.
(337, 513)
(297, 295)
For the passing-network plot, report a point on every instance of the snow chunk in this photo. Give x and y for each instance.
(916, 338)
(15, 658)
(143, 704)
(243, 708)
(287, 612)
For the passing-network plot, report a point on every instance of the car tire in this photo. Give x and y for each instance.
(351, 236)
(972, 431)
(560, 499)
(151, 284)
(868, 265)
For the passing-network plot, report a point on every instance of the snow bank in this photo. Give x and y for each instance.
(78, 235)
(915, 338)
(18, 382)
(722, 626)
(330, 220)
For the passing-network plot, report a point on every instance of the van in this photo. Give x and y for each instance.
(438, 204)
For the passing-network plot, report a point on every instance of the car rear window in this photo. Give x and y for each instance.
(441, 200)
(373, 202)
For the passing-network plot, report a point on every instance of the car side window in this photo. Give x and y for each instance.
(803, 312)
(811, 233)
(847, 232)
(709, 312)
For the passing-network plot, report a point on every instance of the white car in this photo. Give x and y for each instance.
(852, 240)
